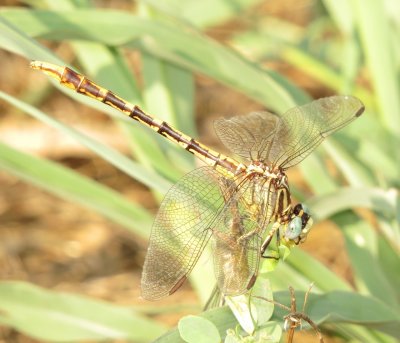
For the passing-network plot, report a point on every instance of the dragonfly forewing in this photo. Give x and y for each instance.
(181, 231)
(285, 141)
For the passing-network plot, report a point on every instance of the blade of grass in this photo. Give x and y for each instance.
(354, 172)
(376, 199)
(176, 43)
(71, 186)
(361, 241)
(316, 174)
(346, 307)
(61, 317)
(161, 86)
(13, 40)
(321, 72)
(341, 12)
(375, 40)
(199, 13)
(131, 168)
(109, 68)
(299, 269)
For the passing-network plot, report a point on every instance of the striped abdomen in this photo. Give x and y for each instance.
(82, 85)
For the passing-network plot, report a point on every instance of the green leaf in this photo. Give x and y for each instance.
(379, 200)
(361, 241)
(198, 13)
(61, 317)
(344, 307)
(71, 186)
(355, 174)
(340, 11)
(262, 288)
(131, 168)
(222, 318)
(300, 269)
(376, 39)
(194, 329)
(176, 43)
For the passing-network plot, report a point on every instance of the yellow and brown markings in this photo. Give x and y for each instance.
(82, 85)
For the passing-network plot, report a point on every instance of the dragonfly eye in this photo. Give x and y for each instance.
(300, 224)
(294, 228)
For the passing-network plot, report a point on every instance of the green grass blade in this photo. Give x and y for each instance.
(376, 40)
(61, 317)
(345, 307)
(376, 199)
(131, 168)
(320, 71)
(110, 70)
(313, 270)
(341, 12)
(361, 241)
(354, 172)
(71, 186)
(165, 86)
(175, 43)
(198, 13)
(316, 174)
(14, 40)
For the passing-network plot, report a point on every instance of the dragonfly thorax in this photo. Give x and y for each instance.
(259, 168)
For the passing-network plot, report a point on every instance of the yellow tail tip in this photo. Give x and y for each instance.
(36, 64)
(50, 69)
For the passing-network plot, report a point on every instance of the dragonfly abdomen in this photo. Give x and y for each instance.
(83, 85)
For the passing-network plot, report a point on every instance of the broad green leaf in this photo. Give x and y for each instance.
(244, 311)
(262, 288)
(79, 189)
(389, 261)
(222, 318)
(379, 200)
(61, 317)
(194, 329)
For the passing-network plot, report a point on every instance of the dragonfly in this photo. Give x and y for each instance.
(238, 204)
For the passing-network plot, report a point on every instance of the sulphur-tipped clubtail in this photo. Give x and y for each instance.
(230, 202)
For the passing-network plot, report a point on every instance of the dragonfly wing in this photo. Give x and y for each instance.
(303, 128)
(287, 140)
(249, 136)
(180, 232)
(236, 254)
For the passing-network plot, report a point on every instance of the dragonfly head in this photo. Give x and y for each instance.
(299, 225)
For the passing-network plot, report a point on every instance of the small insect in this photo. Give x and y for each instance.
(230, 202)
(293, 320)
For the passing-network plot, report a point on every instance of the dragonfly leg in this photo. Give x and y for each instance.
(267, 242)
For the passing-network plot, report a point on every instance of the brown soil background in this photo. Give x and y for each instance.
(64, 247)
